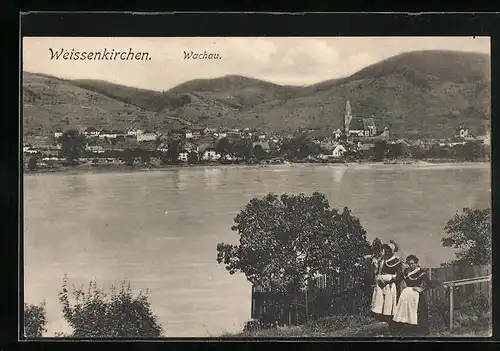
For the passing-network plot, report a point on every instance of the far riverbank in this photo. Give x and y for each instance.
(107, 168)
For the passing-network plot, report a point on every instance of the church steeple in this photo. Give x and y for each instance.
(347, 117)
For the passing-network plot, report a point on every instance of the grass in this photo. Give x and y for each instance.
(324, 327)
(472, 320)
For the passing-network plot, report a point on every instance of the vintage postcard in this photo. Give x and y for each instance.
(272, 187)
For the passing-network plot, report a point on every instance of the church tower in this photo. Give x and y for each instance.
(347, 117)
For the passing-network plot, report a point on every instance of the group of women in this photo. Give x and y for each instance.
(405, 310)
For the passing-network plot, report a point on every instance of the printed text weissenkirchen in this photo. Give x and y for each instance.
(130, 55)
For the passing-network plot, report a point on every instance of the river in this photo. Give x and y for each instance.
(159, 229)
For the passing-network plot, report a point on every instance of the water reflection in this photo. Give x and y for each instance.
(212, 177)
(73, 185)
(338, 174)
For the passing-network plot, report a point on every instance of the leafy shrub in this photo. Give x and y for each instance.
(468, 313)
(95, 314)
(34, 320)
(252, 326)
(32, 163)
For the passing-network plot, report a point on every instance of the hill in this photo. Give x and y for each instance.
(50, 103)
(428, 93)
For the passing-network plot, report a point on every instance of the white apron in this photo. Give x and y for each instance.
(384, 299)
(407, 309)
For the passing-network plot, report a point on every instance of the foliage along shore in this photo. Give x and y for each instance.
(106, 168)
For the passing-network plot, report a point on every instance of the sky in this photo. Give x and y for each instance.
(290, 60)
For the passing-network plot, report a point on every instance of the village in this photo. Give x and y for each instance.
(358, 140)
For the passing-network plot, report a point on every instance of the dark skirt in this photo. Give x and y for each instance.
(422, 327)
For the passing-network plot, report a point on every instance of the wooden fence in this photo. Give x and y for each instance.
(464, 292)
(340, 294)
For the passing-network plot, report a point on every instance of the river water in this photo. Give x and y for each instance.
(159, 229)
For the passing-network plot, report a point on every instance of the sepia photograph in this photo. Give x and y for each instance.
(256, 187)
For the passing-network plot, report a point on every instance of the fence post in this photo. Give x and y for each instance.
(451, 307)
(307, 309)
(252, 302)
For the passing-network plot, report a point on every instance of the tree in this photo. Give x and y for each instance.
(72, 145)
(32, 163)
(192, 158)
(376, 247)
(95, 314)
(223, 147)
(471, 151)
(380, 150)
(243, 148)
(437, 151)
(300, 147)
(284, 241)
(258, 152)
(128, 157)
(396, 150)
(172, 154)
(145, 157)
(470, 232)
(35, 320)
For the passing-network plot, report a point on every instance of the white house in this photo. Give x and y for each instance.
(146, 136)
(29, 150)
(229, 157)
(338, 151)
(163, 147)
(183, 156)
(358, 133)
(98, 149)
(189, 135)
(222, 135)
(91, 132)
(134, 132)
(108, 135)
(58, 134)
(210, 155)
(196, 134)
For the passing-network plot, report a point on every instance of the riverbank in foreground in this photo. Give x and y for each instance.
(105, 168)
(348, 326)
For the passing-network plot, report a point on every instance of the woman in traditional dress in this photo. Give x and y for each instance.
(411, 314)
(384, 298)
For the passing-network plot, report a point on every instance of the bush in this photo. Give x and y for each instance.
(252, 326)
(471, 312)
(34, 320)
(32, 163)
(95, 314)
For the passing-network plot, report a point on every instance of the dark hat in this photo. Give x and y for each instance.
(393, 246)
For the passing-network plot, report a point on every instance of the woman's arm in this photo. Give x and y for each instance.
(423, 285)
(399, 275)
